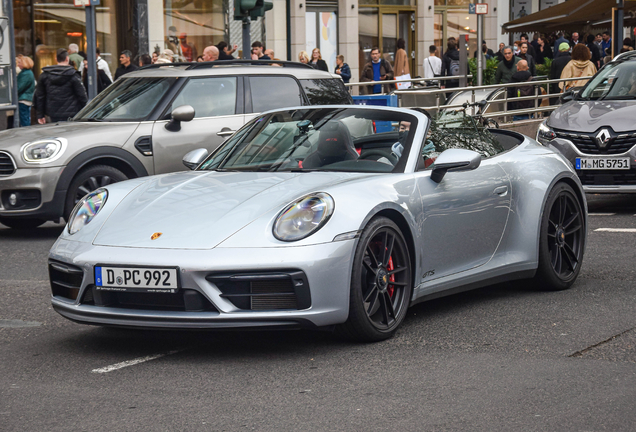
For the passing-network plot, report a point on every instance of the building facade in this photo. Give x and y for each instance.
(347, 27)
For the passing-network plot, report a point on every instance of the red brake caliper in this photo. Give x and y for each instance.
(391, 289)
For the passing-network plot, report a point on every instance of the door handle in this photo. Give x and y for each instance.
(225, 132)
(501, 191)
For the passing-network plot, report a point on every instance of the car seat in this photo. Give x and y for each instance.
(334, 145)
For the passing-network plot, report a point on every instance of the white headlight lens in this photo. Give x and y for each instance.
(545, 133)
(303, 217)
(45, 150)
(86, 209)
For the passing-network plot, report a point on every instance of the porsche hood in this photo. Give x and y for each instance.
(195, 210)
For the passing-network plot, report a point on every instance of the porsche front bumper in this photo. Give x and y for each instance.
(326, 268)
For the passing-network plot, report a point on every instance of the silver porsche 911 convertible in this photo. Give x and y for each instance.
(334, 217)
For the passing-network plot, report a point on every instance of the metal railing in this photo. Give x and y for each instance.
(438, 93)
(412, 80)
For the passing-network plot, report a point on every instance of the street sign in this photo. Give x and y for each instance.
(471, 8)
(80, 3)
(481, 8)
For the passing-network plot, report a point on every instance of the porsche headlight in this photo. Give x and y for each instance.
(303, 217)
(86, 209)
(44, 150)
(545, 133)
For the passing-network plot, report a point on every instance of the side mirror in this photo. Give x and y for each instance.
(569, 94)
(194, 158)
(454, 160)
(184, 113)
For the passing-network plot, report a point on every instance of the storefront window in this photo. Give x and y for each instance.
(58, 23)
(368, 33)
(22, 24)
(458, 22)
(191, 26)
(389, 36)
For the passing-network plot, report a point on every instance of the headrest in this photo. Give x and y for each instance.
(334, 139)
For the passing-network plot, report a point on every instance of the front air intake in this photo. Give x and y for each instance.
(66, 279)
(266, 291)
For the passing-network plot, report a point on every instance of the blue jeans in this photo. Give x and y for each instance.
(520, 117)
(25, 115)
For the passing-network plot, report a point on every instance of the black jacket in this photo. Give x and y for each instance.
(527, 90)
(123, 70)
(596, 54)
(320, 65)
(59, 93)
(558, 64)
(102, 80)
(532, 66)
(449, 56)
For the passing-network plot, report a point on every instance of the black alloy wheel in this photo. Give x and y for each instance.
(381, 283)
(562, 241)
(87, 181)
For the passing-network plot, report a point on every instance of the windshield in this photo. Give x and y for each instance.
(616, 81)
(320, 139)
(128, 99)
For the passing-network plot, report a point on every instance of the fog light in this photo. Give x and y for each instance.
(13, 199)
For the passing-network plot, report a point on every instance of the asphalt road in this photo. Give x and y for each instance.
(501, 358)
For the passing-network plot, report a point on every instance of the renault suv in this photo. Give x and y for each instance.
(144, 124)
(596, 128)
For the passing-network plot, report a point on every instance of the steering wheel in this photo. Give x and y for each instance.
(376, 155)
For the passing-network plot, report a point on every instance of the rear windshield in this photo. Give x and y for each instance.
(326, 92)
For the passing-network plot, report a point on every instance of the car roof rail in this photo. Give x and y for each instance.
(205, 65)
(625, 56)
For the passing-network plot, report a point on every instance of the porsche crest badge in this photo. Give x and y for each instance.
(155, 236)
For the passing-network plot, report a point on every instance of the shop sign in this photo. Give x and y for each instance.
(521, 8)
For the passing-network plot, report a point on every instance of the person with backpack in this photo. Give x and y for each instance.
(451, 64)
(522, 75)
(507, 67)
(377, 69)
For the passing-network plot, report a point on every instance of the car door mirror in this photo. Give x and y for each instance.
(183, 113)
(454, 160)
(194, 158)
(570, 94)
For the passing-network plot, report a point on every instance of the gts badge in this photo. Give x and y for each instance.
(428, 273)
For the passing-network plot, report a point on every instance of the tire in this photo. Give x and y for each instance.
(87, 180)
(562, 240)
(21, 224)
(381, 284)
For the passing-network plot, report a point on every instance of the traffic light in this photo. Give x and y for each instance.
(260, 8)
(242, 8)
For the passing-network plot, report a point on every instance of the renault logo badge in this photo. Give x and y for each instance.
(603, 138)
(155, 236)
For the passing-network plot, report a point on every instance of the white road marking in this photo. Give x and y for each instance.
(624, 230)
(602, 214)
(133, 362)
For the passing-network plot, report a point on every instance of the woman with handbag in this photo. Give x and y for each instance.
(579, 66)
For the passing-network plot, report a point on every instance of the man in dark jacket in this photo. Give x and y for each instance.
(377, 69)
(126, 65)
(595, 50)
(59, 93)
(561, 59)
(507, 67)
(521, 76)
(450, 64)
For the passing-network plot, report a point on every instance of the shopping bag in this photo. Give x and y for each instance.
(404, 85)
